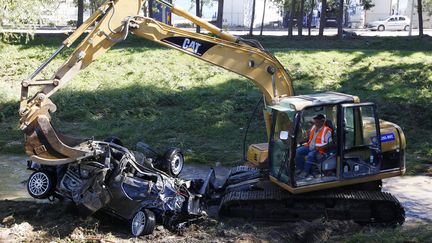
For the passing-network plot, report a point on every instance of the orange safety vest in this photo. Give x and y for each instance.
(320, 139)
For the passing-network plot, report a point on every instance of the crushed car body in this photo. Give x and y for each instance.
(134, 186)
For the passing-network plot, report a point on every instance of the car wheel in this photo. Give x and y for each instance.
(173, 162)
(381, 28)
(143, 223)
(406, 28)
(41, 185)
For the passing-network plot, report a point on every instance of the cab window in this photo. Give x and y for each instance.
(281, 143)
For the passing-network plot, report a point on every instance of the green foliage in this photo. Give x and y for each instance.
(22, 14)
(367, 4)
(91, 5)
(427, 6)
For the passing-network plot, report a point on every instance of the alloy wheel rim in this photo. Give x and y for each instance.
(39, 183)
(177, 164)
(138, 223)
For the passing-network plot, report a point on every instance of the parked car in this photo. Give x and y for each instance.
(394, 22)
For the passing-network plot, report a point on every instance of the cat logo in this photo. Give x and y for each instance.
(187, 43)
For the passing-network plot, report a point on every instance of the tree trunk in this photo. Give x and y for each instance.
(252, 18)
(291, 19)
(312, 6)
(323, 17)
(262, 21)
(420, 16)
(198, 13)
(340, 19)
(300, 18)
(145, 9)
(219, 20)
(80, 19)
(150, 6)
(346, 14)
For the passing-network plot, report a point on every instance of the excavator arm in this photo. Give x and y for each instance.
(114, 21)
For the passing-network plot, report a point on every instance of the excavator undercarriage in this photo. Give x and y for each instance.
(247, 193)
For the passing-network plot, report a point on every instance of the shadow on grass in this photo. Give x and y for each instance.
(207, 121)
(55, 40)
(401, 43)
(403, 94)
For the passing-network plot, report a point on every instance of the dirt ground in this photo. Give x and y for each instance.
(23, 219)
(31, 221)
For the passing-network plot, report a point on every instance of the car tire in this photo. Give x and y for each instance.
(41, 185)
(381, 28)
(406, 28)
(173, 162)
(143, 223)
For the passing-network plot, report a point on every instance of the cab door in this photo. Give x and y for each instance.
(392, 23)
(361, 143)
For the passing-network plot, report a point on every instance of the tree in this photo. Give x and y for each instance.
(347, 17)
(84, 5)
(300, 18)
(198, 13)
(340, 19)
(322, 17)
(291, 19)
(219, 20)
(312, 6)
(420, 16)
(252, 18)
(262, 21)
(22, 14)
(198, 5)
(95, 4)
(367, 5)
(427, 6)
(80, 19)
(150, 7)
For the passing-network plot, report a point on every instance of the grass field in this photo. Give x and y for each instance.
(141, 91)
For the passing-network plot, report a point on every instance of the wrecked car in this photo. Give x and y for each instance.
(141, 188)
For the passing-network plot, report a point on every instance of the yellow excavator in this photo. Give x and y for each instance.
(347, 177)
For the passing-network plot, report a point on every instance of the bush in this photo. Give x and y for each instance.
(72, 23)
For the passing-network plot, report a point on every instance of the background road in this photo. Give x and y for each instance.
(277, 32)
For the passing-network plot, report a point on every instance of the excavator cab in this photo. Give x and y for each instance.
(353, 155)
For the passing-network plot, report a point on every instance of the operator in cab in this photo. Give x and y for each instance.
(319, 137)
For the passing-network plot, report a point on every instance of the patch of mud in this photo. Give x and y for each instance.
(13, 178)
(414, 193)
(27, 220)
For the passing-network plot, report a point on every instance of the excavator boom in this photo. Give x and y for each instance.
(114, 21)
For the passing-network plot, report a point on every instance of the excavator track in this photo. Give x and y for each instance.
(274, 204)
(248, 194)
